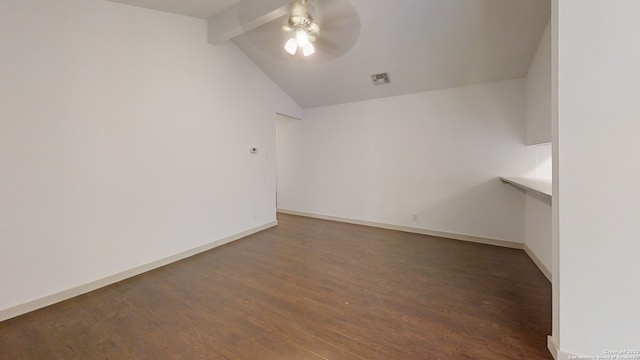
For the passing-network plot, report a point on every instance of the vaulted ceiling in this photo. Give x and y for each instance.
(423, 44)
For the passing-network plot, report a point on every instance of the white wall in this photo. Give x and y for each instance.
(553, 341)
(544, 161)
(437, 155)
(124, 139)
(537, 222)
(537, 233)
(538, 129)
(281, 123)
(599, 173)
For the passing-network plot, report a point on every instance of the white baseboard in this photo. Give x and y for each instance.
(538, 262)
(24, 308)
(562, 355)
(553, 347)
(558, 354)
(470, 238)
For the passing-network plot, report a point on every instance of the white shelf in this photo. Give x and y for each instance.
(542, 187)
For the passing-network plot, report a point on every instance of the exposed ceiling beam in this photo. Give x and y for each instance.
(245, 16)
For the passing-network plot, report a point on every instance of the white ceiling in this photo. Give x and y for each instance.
(423, 45)
(197, 8)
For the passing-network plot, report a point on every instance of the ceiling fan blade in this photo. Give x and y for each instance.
(340, 26)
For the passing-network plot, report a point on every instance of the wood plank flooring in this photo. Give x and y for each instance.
(307, 289)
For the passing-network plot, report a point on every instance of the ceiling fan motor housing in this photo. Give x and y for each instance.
(296, 21)
(301, 19)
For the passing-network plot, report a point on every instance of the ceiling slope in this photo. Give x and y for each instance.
(197, 8)
(423, 44)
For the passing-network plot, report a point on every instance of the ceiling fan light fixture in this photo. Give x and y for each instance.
(302, 38)
(291, 46)
(305, 30)
(314, 28)
(308, 50)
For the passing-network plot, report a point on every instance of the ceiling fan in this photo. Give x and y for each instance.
(304, 29)
(326, 29)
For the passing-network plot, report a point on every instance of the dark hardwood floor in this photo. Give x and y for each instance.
(307, 289)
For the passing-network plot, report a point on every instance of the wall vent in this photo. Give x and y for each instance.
(380, 79)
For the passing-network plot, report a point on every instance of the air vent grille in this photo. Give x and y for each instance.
(380, 79)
